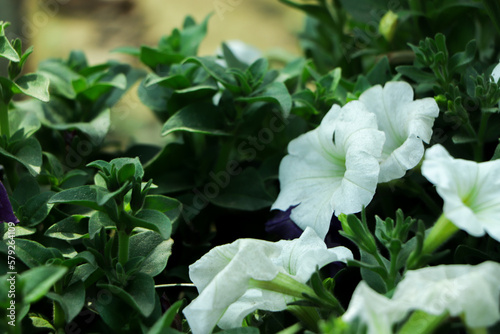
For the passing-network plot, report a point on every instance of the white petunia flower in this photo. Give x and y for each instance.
(331, 169)
(470, 190)
(223, 277)
(406, 124)
(461, 290)
(374, 310)
(496, 73)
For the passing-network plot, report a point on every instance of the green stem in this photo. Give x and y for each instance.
(4, 119)
(123, 247)
(440, 232)
(284, 284)
(478, 151)
(307, 315)
(59, 318)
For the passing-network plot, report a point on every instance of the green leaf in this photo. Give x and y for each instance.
(71, 228)
(380, 73)
(41, 323)
(275, 92)
(415, 74)
(231, 60)
(71, 300)
(97, 221)
(6, 49)
(192, 36)
(28, 153)
(175, 81)
(36, 282)
(169, 206)
(83, 195)
(153, 57)
(245, 191)
(36, 209)
(25, 120)
(218, 72)
(139, 293)
(60, 77)
(241, 330)
(95, 129)
(165, 322)
(372, 278)
(34, 85)
(121, 163)
(153, 220)
(198, 118)
(154, 249)
(33, 254)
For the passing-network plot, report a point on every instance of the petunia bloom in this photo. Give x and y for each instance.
(6, 213)
(331, 169)
(469, 291)
(223, 276)
(377, 312)
(407, 123)
(470, 190)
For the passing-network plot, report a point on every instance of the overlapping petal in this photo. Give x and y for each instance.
(461, 290)
(407, 123)
(222, 277)
(331, 169)
(470, 190)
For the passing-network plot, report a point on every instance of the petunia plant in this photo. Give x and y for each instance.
(349, 188)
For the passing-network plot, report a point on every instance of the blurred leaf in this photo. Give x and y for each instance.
(275, 92)
(169, 206)
(36, 282)
(245, 191)
(163, 324)
(27, 152)
(34, 85)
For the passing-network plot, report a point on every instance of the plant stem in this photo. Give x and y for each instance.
(4, 119)
(123, 247)
(307, 315)
(59, 318)
(422, 323)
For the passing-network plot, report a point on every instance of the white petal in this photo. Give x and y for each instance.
(406, 123)
(496, 73)
(376, 311)
(457, 289)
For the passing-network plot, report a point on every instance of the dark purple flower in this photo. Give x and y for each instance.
(6, 213)
(282, 226)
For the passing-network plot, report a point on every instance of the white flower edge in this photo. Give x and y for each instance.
(461, 290)
(374, 310)
(470, 190)
(332, 169)
(407, 123)
(222, 277)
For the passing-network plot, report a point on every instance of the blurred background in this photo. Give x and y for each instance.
(55, 27)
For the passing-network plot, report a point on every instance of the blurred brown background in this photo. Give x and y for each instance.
(55, 27)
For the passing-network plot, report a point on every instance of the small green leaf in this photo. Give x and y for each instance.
(153, 220)
(154, 249)
(34, 85)
(275, 92)
(41, 323)
(36, 209)
(28, 153)
(165, 322)
(71, 300)
(71, 228)
(36, 282)
(169, 206)
(23, 120)
(218, 72)
(33, 254)
(6, 49)
(139, 293)
(83, 195)
(198, 118)
(97, 221)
